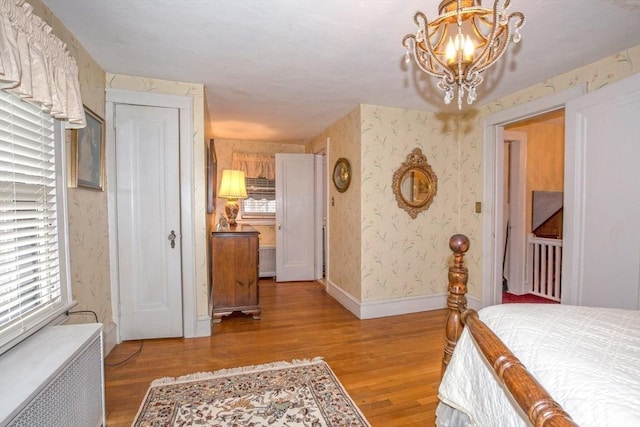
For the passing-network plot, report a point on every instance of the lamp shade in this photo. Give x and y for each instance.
(232, 185)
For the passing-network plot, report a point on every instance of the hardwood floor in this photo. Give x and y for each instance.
(390, 366)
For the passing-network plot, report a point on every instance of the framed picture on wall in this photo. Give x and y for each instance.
(212, 178)
(87, 153)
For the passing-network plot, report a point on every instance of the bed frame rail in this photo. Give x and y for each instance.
(532, 398)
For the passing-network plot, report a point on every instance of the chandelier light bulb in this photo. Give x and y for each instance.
(469, 48)
(451, 52)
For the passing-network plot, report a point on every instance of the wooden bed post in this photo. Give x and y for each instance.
(526, 391)
(456, 301)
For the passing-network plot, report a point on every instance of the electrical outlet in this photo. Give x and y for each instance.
(478, 207)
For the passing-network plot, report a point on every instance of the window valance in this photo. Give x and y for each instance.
(36, 65)
(255, 165)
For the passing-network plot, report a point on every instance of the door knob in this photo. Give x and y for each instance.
(279, 226)
(172, 239)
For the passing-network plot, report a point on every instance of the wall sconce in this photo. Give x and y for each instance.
(232, 188)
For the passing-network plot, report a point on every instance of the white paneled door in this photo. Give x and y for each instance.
(602, 198)
(295, 217)
(148, 221)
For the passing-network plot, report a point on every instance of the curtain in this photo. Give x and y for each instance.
(255, 165)
(36, 65)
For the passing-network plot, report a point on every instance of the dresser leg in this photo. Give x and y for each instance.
(254, 313)
(217, 317)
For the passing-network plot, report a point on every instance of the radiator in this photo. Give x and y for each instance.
(57, 379)
(267, 261)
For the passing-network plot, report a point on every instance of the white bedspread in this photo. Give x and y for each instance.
(587, 358)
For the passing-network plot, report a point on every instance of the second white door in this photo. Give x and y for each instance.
(148, 219)
(295, 217)
(602, 211)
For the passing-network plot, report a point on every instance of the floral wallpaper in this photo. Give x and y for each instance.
(376, 251)
(195, 91)
(344, 218)
(401, 256)
(88, 225)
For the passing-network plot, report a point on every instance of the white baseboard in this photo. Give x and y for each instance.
(203, 326)
(405, 305)
(474, 302)
(394, 306)
(203, 329)
(110, 338)
(347, 301)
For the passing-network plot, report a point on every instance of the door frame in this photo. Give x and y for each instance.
(517, 249)
(184, 105)
(320, 208)
(327, 212)
(493, 171)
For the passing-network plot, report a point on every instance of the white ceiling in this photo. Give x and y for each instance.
(286, 69)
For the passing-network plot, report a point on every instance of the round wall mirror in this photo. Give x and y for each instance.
(414, 184)
(415, 187)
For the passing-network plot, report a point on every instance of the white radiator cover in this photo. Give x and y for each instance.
(267, 261)
(54, 378)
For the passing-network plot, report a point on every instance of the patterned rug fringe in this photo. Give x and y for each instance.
(199, 376)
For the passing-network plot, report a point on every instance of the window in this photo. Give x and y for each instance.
(261, 198)
(33, 251)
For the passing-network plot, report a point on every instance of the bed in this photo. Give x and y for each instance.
(537, 364)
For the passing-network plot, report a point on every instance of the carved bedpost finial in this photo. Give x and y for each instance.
(459, 244)
(456, 301)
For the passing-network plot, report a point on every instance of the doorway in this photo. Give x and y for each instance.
(493, 221)
(148, 221)
(600, 226)
(185, 233)
(534, 166)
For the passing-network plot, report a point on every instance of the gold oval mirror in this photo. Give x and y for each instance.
(414, 184)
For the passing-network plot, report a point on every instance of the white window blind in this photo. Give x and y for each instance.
(31, 292)
(261, 197)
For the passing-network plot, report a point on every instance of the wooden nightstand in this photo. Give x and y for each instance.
(234, 272)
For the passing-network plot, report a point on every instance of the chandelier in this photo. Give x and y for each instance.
(463, 41)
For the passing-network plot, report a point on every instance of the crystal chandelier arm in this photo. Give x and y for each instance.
(423, 51)
(493, 51)
(503, 42)
(501, 33)
(411, 44)
(485, 59)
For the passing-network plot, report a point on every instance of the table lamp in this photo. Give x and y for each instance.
(232, 188)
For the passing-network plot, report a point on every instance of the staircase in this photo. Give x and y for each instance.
(544, 245)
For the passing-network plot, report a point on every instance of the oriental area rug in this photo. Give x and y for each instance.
(299, 393)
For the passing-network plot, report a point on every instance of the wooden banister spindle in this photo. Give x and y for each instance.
(456, 301)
